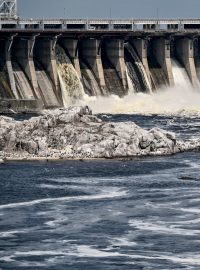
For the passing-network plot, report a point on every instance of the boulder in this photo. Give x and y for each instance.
(76, 133)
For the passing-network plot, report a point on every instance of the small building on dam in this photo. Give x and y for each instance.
(52, 63)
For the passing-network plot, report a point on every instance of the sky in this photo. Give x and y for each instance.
(109, 8)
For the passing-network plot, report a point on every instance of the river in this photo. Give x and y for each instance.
(124, 214)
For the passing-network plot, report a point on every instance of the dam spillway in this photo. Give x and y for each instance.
(52, 63)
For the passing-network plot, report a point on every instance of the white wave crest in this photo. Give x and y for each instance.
(108, 195)
(163, 228)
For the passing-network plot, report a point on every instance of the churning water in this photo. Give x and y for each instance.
(181, 98)
(137, 214)
(172, 100)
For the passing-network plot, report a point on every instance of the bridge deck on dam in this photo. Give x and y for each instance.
(98, 26)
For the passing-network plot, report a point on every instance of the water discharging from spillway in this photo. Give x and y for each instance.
(180, 99)
(131, 86)
(91, 85)
(136, 73)
(172, 100)
(71, 86)
(180, 75)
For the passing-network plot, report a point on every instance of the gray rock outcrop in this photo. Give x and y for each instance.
(76, 133)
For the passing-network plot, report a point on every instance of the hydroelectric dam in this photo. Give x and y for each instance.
(52, 63)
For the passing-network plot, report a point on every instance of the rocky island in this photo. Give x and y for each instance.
(75, 133)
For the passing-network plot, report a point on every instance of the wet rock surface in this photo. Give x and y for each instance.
(76, 133)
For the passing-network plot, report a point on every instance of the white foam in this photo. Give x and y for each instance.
(88, 251)
(195, 200)
(39, 253)
(7, 234)
(194, 165)
(185, 259)
(168, 101)
(56, 222)
(6, 259)
(64, 187)
(161, 227)
(108, 195)
(191, 210)
(123, 242)
(188, 222)
(81, 251)
(45, 186)
(92, 252)
(89, 180)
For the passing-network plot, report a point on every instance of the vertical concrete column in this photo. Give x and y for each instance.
(185, 53)
(23, 52)
(91, 53)
(141, 46)
(71, 47)
(8, 46)
(45, 52)
(197, 56)
(161, 51)
(115, 54)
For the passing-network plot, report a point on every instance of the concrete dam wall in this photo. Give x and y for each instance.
(50, 70)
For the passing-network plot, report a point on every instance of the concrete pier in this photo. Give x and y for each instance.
(23, 52)
(115, 53)
(5, 87)
(197, 56)
(91, 53)
(9, 68)
(161, 50)
(44, 51)
(46, 72)
(185, 53)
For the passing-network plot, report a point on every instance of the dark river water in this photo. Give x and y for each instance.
(138, 214)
